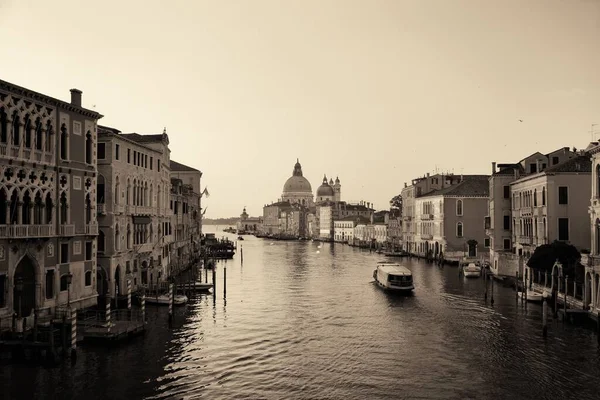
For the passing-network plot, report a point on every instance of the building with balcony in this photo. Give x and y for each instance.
(592, 266)
(133, 190)
(419, 187)
(186, 220)
(504, 256)
(448, 221)
(47, 196)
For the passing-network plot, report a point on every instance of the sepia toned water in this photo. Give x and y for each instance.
(302, 324)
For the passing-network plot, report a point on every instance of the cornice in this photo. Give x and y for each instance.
(30, 94)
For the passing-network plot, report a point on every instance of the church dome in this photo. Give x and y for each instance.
(297, 183)
(325, 189)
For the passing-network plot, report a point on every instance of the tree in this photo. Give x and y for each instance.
(396, 203)
(545, 256)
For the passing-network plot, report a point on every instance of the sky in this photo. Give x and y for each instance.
(376, 92)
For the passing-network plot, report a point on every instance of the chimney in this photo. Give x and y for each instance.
(428, 174)
(76, 97)
(493, 167)
(404, 184)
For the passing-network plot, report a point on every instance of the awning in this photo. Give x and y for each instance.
(137, 219)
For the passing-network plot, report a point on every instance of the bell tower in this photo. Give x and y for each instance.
(337, 188)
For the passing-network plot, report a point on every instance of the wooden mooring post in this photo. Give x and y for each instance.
(170, 305)
(544, 316)
(241, 254)
(517, 288)
(225, 279)
(485, 282)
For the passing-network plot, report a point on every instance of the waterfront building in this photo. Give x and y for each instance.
(185, 220)
(449, 220)
(248, 224)
(133, 210)
(48, 226)
(419, 187)
(394, 230)
(503, 222)
(592, 264)
(285, 219)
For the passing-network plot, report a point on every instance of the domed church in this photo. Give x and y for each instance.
(297, 189)
(329, 191)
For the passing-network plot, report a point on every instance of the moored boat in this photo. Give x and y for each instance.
(532, 297)
(393, 277)
(163, 299)
(472, 270)
(195, 286)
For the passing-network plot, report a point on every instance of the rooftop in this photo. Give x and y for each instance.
(470, 186)
(178, 167)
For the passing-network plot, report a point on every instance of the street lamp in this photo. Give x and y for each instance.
(19, 289)
(69, 277)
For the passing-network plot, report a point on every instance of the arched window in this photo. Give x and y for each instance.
(459, 207)
(544, 195)
(598, 180)
(26, 208)
(16, 129)
(535, 197)
(49, 208)
(38, 135)
(64, 149)
(3, 125)
(117, 238)
(459, 229)
(128, 236)
(27, 131)
(145, 200)
(151, 199)
(127, 192)
(63, 209)
(38, 209)
(3, 206)
(89, 145)
(100, 189)
(101, 241)
(117, 191)
(88, 209)
(158, 194)
(49, 133)
(135, 192)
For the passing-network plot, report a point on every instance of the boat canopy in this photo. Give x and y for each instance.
(394, 269)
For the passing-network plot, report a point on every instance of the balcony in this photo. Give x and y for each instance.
(426, 236)
(91, 229)
(526, 211)
(426, 217)
(26, 231)
(66, 230)
(143, 248)
(527, 240)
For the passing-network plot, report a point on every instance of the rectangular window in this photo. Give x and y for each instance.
(64, 253)
(151, 162)
(128, 156)
(3, 281)
(554, 160)
(532, 168)
(88, 251)
(486, 242)
(506, 192)
(158, 165)
(563, 229)
(88, 278)
(507, 222)
(117, 151)
(135, 157)
(146, 161)
(50, 284)
(101, 151)
(563, 195)
(506, 244)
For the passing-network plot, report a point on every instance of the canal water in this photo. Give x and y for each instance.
(303, 322)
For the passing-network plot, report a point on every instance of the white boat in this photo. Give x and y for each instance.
(195, 286)
(472, 270)
(178, 299)
(393, 277)
(533, 297)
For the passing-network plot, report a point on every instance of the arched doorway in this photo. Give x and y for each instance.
(437, 249)
(24, 287)
(117, 281)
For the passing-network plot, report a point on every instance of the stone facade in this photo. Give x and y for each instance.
(47, 195)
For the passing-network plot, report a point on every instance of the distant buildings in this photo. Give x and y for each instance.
(248, 224)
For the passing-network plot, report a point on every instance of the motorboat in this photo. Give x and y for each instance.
(393, 277)
(195, 286)
(163, 299)
(240, 238)
(472, 270)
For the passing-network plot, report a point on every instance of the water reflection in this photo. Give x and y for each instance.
(300, 324)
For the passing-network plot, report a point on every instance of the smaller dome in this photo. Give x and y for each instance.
(325, 190)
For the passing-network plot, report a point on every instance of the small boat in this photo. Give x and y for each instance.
(240, 238)
(472, 270)
(195, 286)
(393, 253)
(163, 299)
(533, 297)
(393, 277)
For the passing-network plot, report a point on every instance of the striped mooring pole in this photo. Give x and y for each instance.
(143, 305)
(129, 294)
(73, 330)
(107, 314)
(170, 304)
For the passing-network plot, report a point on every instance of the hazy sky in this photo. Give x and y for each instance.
(376, 92)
